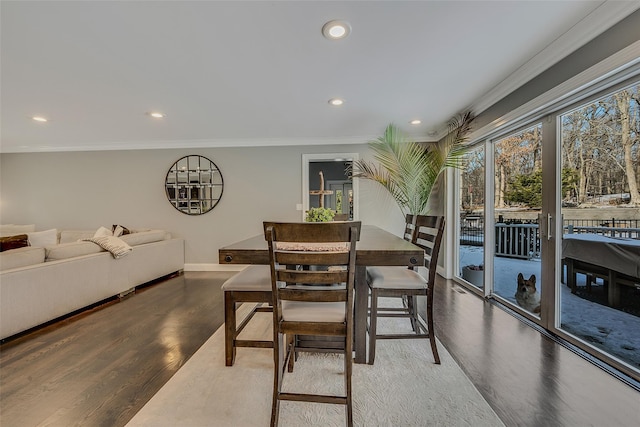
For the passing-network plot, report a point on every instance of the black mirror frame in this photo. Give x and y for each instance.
(194, 185)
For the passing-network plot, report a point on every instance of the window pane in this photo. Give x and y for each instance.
(472, 218)
(517, 204)
(600, 293)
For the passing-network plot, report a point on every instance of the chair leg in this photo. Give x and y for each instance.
(348, 368)
(278, 363)
(373, 323)
(432, 334)
(291, 349)
(229, 329)
(413, 313)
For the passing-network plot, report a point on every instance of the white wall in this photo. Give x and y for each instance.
(85, 190)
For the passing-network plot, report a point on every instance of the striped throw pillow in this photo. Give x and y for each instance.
(116, 246)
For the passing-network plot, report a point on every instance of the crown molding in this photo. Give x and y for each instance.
(196, 143)
(618, 67)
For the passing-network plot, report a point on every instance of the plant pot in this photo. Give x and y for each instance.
(475, 277)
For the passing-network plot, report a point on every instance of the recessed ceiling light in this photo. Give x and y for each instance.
(40, 119)
(157, 115)
(336, 101)
(415, 122)
(334, 30)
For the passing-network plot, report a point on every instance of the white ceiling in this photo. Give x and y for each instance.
(240, 73)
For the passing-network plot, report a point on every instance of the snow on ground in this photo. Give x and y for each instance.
(606, 328)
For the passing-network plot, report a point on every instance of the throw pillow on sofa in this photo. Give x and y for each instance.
(13, 242)
(120, 230)
(102, 232)
(43, 238)
(113, 244)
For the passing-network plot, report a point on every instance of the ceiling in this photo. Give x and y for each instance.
(241, 73)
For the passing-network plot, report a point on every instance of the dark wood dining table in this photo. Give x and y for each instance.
(375, 247)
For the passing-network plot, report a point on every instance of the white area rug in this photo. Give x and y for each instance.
(403, 388)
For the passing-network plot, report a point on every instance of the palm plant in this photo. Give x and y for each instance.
(407, 170)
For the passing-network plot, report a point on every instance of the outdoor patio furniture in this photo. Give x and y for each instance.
(614, 259)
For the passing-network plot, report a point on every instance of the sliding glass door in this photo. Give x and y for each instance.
(500, 202)
(599, 284)
(517, 204)
(559, 211)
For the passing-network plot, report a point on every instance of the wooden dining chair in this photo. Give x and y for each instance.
(312, 281)
(251, 285)
(400, 282)
(408, 300)
(409, 227)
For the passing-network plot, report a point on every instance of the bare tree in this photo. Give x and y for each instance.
(517, 154)
(623, 105)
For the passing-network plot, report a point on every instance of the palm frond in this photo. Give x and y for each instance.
(408, 171)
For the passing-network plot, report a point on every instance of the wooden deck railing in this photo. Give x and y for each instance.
(517, 240)
(523, 240)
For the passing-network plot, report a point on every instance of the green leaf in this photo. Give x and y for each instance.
(407, 170)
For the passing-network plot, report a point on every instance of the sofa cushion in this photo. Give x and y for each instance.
(69, 236)
(13, 242)
(70, 250)
(43, 238)
(21, 257)
(143, 237)
(13, 229)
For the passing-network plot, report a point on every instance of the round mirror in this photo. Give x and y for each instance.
(194, 185)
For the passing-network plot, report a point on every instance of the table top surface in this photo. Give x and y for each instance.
(375, 247)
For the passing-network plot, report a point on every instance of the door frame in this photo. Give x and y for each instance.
(328, 157)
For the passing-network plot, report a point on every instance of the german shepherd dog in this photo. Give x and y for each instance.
(527, 296)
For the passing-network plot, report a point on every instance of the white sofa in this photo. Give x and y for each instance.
(40, 284)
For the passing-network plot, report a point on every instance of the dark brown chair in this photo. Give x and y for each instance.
(409, 300)
(409, 227)
(408, 283)
(312, 279)
(251, 285)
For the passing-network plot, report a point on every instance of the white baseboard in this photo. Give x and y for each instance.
(214, 267)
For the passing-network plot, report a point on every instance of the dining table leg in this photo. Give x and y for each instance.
(360, 314)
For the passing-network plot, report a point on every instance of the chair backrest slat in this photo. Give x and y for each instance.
(312, 277)
(313, 295)
(428, 235)
(313, 232)
(409, 227)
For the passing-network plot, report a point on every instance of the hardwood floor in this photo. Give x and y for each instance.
(99, 368)
(526, 377)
